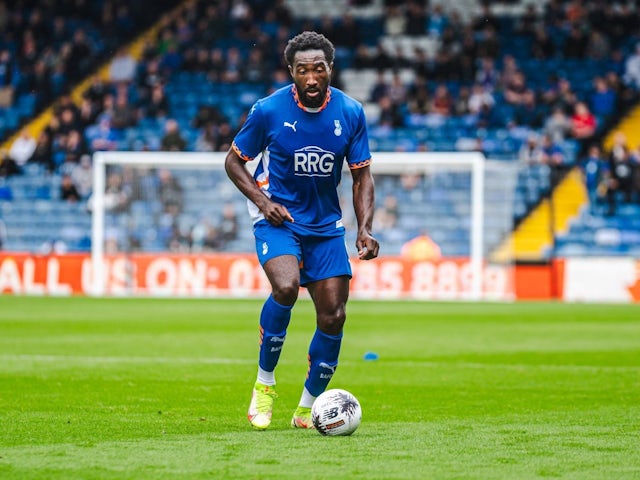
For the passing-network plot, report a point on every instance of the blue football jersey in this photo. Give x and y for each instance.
(301, 154)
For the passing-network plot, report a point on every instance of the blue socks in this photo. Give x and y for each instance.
(274, 321)
(323, 350)
(323, 361)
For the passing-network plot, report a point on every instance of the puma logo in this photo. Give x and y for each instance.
(292, 125)
(328, 367)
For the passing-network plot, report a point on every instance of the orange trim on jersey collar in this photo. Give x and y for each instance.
(294, 90)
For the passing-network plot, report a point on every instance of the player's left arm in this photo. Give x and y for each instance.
(364, 204)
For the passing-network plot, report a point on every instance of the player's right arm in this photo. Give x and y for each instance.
(236, 169)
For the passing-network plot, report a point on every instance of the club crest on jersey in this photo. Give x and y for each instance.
(313, 161)
(338, 130)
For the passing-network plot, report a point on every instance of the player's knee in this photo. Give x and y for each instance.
(286, 293)
(332, 320)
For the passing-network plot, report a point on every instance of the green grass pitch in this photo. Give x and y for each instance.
(158, 389)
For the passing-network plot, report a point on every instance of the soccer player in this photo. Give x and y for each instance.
(302, 134)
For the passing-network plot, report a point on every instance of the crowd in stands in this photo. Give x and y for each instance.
(520, 76)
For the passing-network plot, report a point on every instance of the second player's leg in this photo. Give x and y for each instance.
(284, 275)
(330, 299)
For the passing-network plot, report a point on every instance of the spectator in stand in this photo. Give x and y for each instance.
(43, 153)
(441, 101)
(123, 67)
(170, 192)
(234, 66)
(198, 234)
(172, 139)
(564, 97)
(102, 136)
(386, 220)
(598, 46)
(557, 125)
(69, 121)
(117, 197)
(380, 87)
(542, 47)
(551, 153)
(88, 113)
(583, 122)
(255, 69)
(8, 166)
(530, 153)
(517, 92)
(489, 43)
(158, 105)
(509, 71)
(124, 114)
(362, 58)
(597, 177)
(82, 176)
(419, 101)
(81, 53)
(224, 136)
(554, 14)
(327, 26)
(207, 138)
(149, 76)
(279, 78)
(228, 226)
(68, 191)
(397, 90)
(22, 148)
(394, 21)
(480, 99)
(108, 108)
(217, 65)
(575, 45)
(196, 60)
(603, 100)
(461, 104)
(347, 37)
(97, 90)
(171, 60)
(437, 21)
(6, 78)
(632, 68)
(416, 18)
(527, 22)
(623, 166)
(72, 146)
(390, 115)
(380, 58)
(40, 82)
(487, 75)
(207, 115)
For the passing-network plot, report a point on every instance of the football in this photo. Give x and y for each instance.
(336, 412)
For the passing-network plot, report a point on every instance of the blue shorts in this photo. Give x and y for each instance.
(319, 257)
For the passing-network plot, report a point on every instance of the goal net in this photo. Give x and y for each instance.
(173, 224)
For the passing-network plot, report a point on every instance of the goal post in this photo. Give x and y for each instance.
(149, 246)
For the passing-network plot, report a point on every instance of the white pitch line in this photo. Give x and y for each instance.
(124, 359)
(96, 360)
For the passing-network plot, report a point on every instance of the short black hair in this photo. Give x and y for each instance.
(309, 41)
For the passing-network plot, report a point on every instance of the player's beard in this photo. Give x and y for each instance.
(312, 101)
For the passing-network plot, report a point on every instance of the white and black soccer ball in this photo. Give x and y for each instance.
(336, 412)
